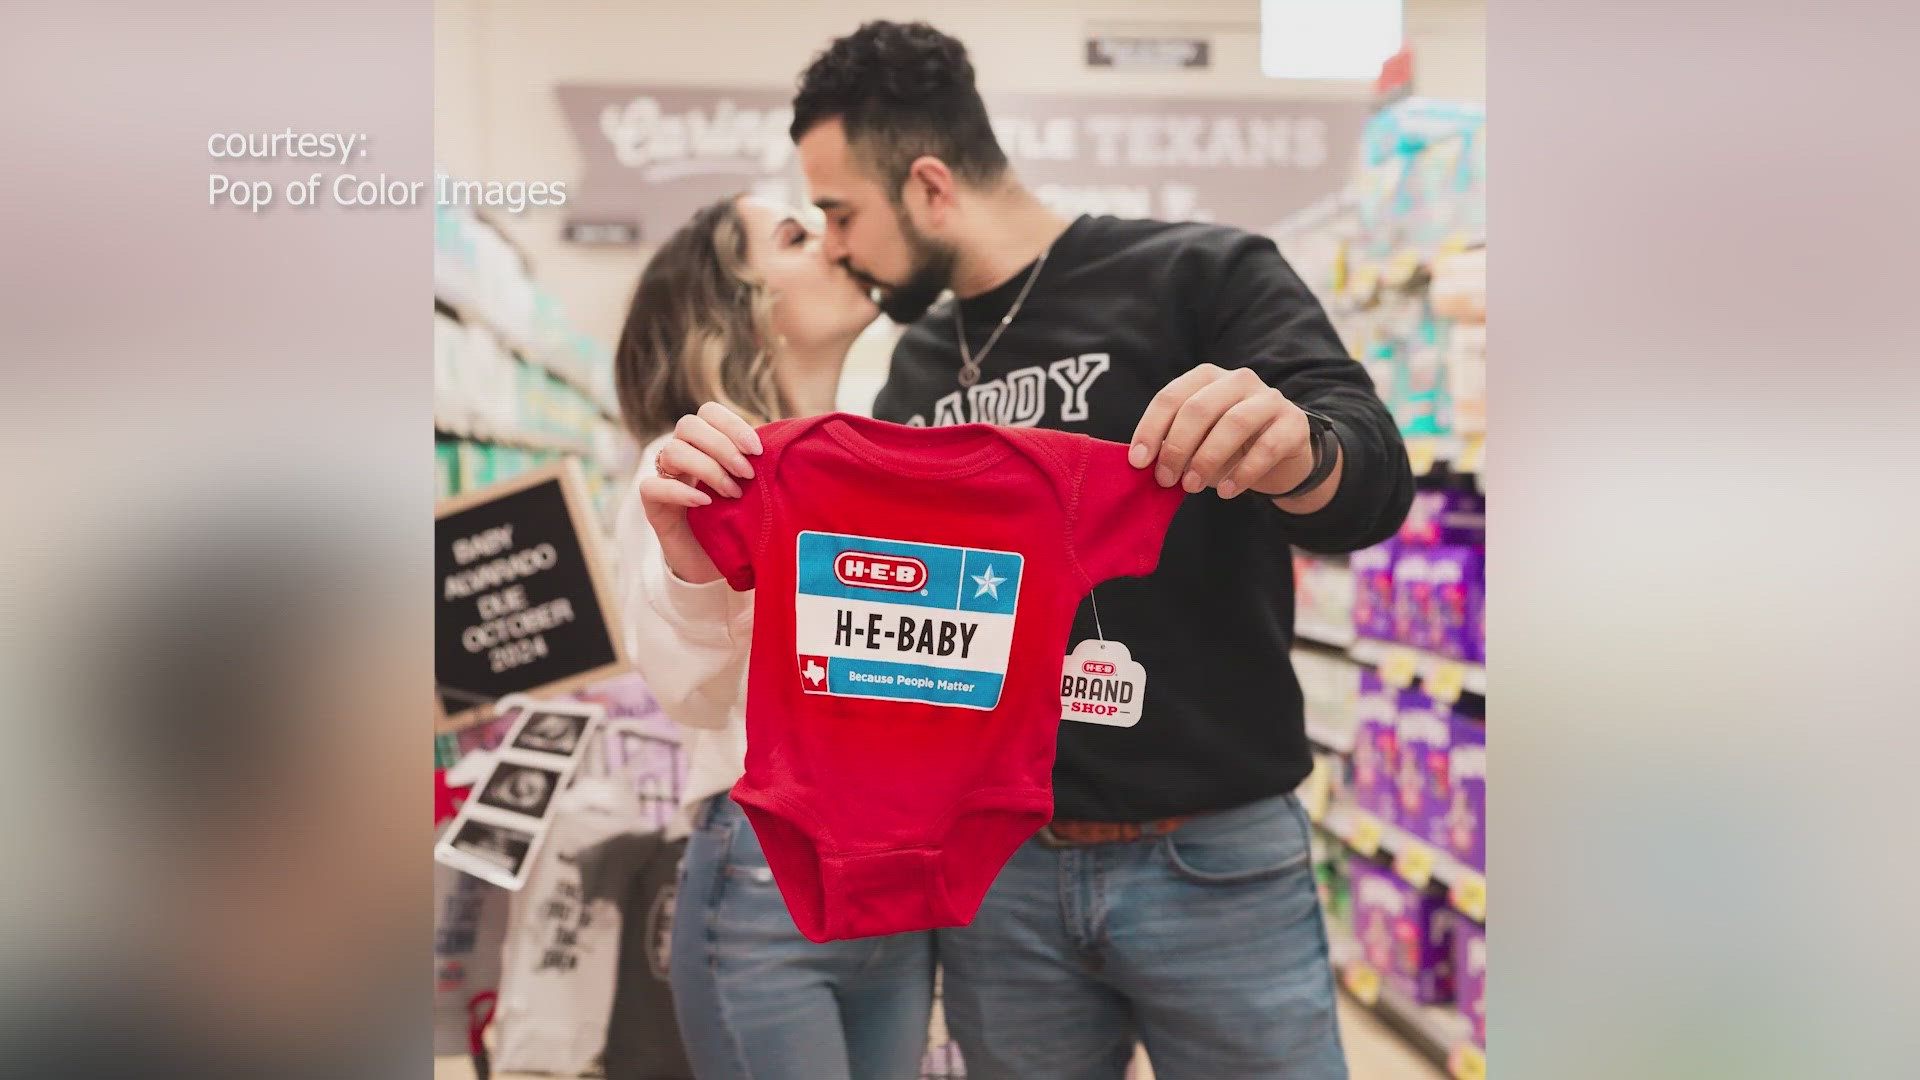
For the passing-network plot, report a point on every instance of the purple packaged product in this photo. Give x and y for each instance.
(1445, 517)
(1477, 619)
(1423, 733)
(1470, 976)
(1411, 592)
(1463, 824)
(1437, 597)
(1375, 753)
(1405, 934)
(1459, 578)
(1373, 591)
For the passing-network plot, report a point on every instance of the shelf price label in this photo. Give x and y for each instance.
(1445, 681)
(1420, 455)
(1414, 863)
(1363, 983)
(1319, 792)
(1469, 895)
(1467, 1062)
(1364, 837)
(1473, 454)
(1397, 668)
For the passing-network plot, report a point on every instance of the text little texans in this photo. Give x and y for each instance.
(909, 634)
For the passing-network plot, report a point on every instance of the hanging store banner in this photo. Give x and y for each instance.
(1150, 53)
(654, 154)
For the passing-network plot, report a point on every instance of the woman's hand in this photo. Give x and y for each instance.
(712, 447)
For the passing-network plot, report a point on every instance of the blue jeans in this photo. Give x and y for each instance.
(756, 1001)
(1206, 944)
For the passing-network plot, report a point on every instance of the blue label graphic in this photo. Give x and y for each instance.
(958, 579)
(904, 621)
(913, 682)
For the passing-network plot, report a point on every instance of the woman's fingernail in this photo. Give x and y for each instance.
(1164, 476)
(1228, 489)
(1139, 456)
(757, 447)
(703, 497)
(748, 466)
(1193, 483)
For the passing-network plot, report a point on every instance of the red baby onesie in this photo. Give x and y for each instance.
(916, 587)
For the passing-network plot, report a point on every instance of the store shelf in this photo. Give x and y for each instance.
(1337, 637)
(559, 368)
(1439, 1032)
(1338, 740)
(1392, 659)
(522, 440)
(1419, 862)
(1460, 453)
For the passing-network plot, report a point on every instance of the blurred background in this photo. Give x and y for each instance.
(1352, 133)
(213, 629)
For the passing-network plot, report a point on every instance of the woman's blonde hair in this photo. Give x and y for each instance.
(700, 329)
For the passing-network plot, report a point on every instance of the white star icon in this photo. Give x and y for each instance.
(989, 585)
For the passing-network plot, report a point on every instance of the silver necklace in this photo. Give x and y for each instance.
(969, 363)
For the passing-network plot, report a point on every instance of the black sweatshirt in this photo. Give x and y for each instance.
(1120, 309)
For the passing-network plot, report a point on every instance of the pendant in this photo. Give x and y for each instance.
(969, 376)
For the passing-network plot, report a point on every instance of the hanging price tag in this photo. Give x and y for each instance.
(1469, 896)
(1467, 1062)
(1397, 668)
(1364, 837)
(1363, 983)
(1101, 683)
(1420, 455)
(1445, 681)
(1414, 863)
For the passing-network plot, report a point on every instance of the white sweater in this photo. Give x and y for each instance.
(690, 643)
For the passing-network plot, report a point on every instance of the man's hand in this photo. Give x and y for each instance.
(1212, 427)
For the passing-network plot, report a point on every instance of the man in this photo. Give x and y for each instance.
(1172, 899)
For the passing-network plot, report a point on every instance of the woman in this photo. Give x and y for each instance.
(740, 309)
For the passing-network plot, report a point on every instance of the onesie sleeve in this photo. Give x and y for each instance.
(1119, 516)
(731, 530)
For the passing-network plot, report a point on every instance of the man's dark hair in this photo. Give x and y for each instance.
(902, 90)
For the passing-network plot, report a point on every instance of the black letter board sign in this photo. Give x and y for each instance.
(520, 607)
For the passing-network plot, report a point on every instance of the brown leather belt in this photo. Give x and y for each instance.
(1072, 833)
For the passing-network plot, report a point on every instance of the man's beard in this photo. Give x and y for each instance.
(932, 273)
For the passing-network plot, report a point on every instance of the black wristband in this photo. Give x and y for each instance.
(1326, 453)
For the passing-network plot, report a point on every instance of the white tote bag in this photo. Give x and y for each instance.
(469, 931)
(562, 955)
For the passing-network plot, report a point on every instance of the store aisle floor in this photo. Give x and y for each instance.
(1373, 1053)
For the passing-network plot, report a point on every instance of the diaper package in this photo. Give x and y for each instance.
(1461, 828)
(1375, 753)
(1373, 595)
(1470, 975)
(1405, 934)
